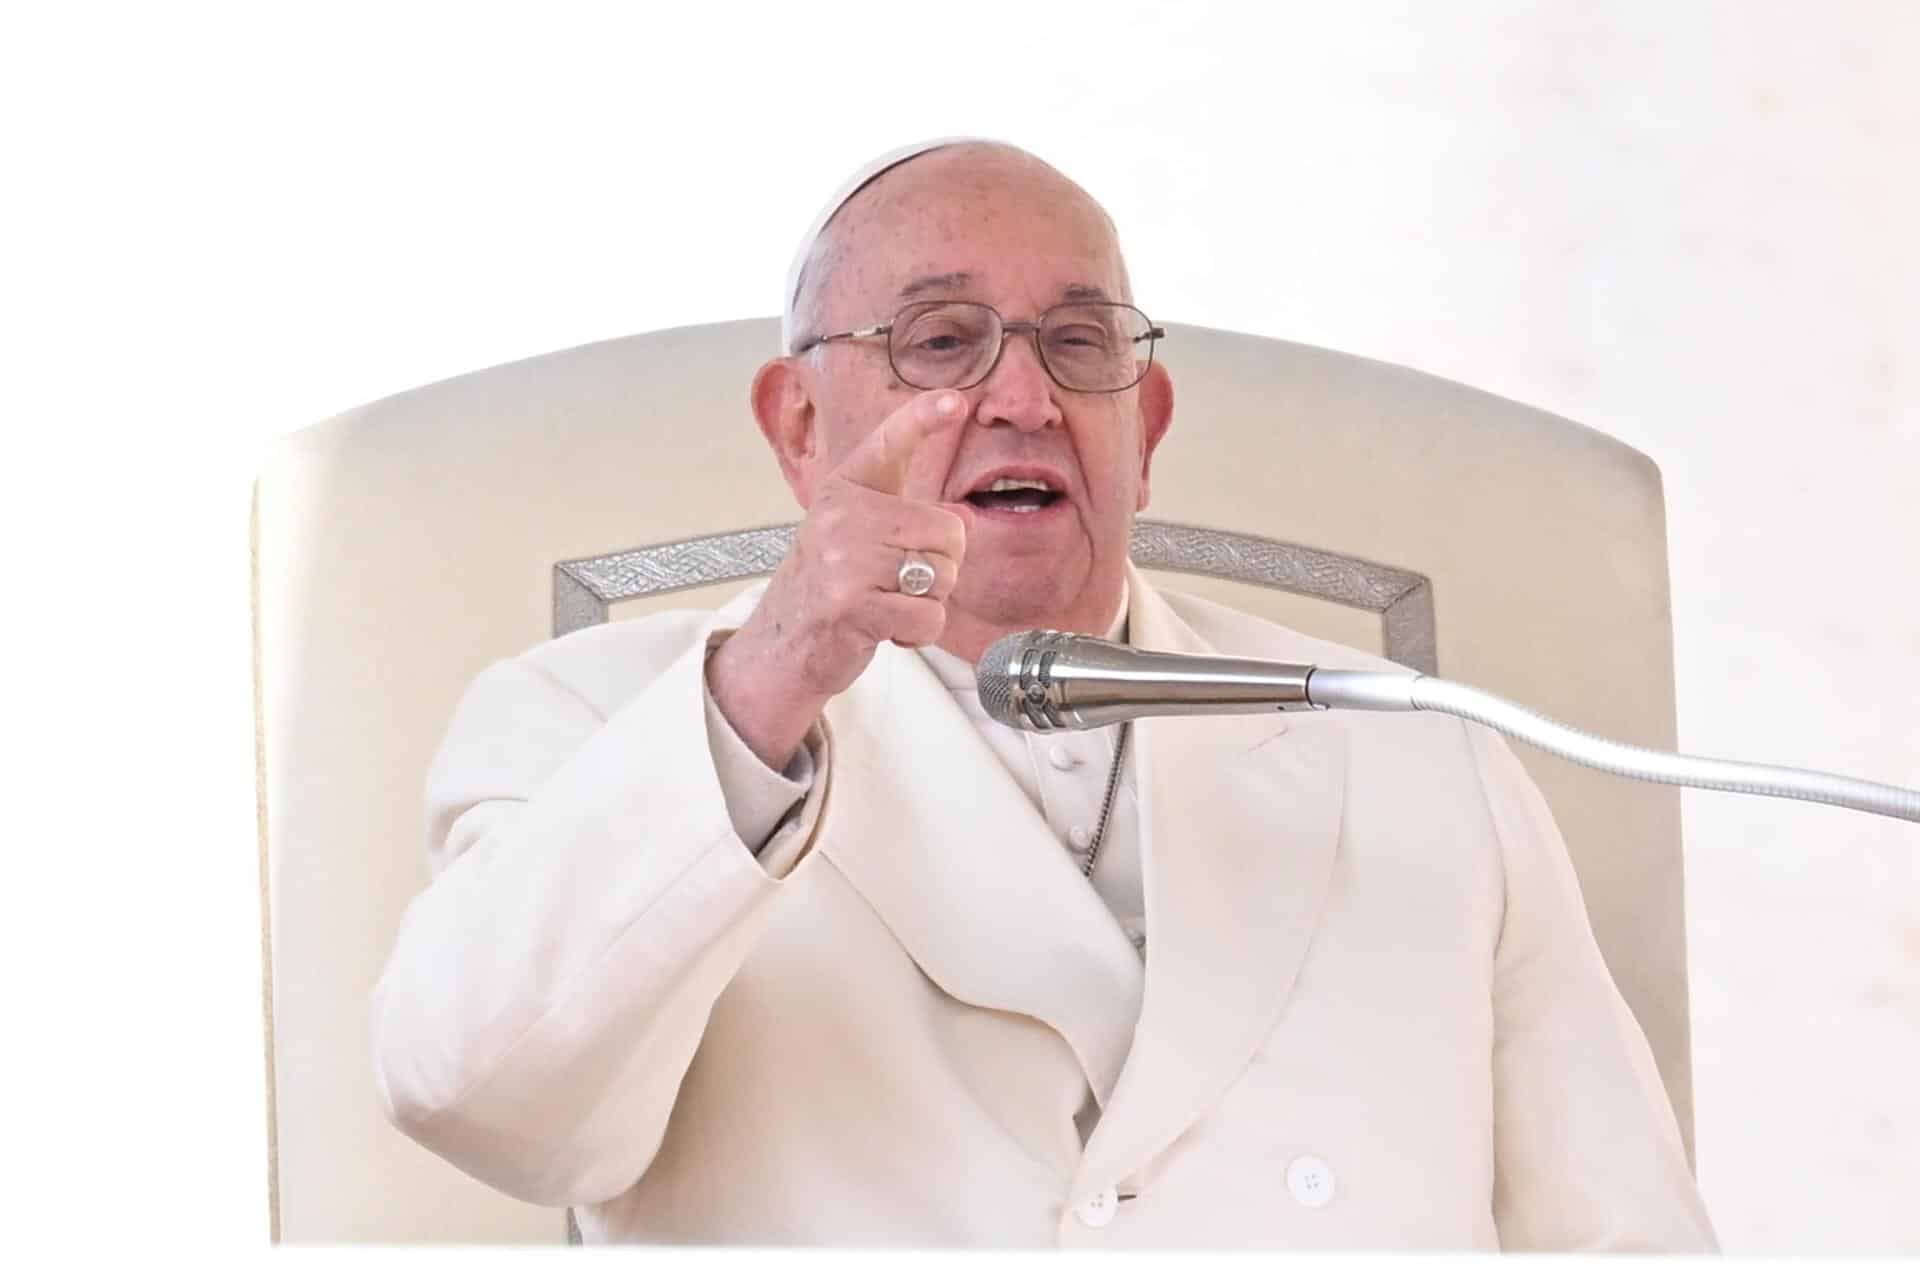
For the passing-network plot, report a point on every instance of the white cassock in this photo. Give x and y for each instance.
(1370, 1013)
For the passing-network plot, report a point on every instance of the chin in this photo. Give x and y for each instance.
(1028, 606)
(1016, 607)
(1034, 592)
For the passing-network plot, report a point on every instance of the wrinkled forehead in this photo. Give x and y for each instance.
(911, 197)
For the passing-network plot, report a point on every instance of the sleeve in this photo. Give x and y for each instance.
(757, 798)
(590, 901)
(1587, 1151)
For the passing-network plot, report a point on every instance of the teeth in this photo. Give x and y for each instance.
(1006, 483)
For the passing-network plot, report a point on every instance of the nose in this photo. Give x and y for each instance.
(1019, 392)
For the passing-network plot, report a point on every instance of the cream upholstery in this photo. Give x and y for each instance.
(401, 547)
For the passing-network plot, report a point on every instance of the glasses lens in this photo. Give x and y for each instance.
(1096, 346)
(936, 345)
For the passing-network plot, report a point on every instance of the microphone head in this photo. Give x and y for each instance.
(1000, 673)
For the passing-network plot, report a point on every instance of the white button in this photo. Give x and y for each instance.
(1061, 758)
(1079, 837)
(1097, 1210)
(1311, 1181)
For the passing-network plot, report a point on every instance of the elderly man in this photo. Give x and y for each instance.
(752, 928)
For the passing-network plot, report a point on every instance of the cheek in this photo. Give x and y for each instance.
(838, 437)
(846, 424)
(1112, 467)
(834, 440)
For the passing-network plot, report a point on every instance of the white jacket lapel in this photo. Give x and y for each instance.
(1239, 824)
(951, 854)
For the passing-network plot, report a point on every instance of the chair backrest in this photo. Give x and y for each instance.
(401, 547)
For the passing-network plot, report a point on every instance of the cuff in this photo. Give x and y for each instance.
(757, 798)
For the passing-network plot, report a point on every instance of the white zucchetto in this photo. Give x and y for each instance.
(859, 178)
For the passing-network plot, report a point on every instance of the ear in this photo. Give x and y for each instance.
(1156, 415)
(783, 406)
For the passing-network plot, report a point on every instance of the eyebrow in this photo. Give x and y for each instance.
(1083, 293)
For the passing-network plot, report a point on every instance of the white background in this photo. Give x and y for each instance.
(1688, 225)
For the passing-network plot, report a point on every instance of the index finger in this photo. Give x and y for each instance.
(883, 460)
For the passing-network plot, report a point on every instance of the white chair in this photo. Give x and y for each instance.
(401, 547)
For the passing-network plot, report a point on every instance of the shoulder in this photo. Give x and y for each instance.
(1404, 741)
(1451, 756)
(608, 665)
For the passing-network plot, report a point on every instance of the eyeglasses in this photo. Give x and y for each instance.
(950, 345)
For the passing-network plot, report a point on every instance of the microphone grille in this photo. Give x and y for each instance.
(998, 677)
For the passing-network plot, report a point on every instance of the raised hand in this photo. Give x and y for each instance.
(837, 596)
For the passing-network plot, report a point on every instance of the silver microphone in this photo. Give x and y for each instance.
(1044, 681)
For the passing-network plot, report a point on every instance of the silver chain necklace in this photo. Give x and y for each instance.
(1106, 806)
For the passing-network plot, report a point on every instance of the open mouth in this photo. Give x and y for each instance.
(1015, 494)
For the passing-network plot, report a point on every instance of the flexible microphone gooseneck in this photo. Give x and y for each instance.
(1045, 681)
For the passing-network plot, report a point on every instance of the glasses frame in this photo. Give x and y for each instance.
(1008, 328)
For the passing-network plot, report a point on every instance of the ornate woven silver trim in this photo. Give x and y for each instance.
(1402, 598)
(584, 589)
